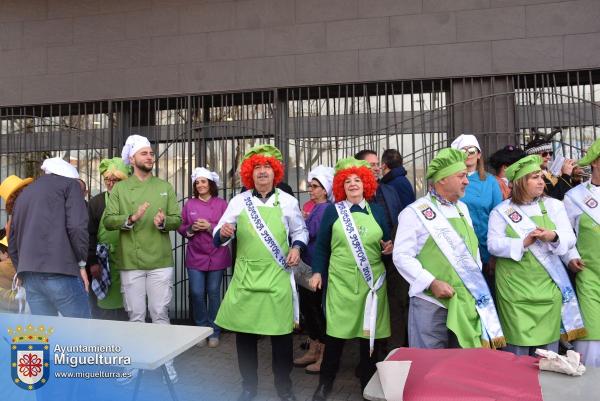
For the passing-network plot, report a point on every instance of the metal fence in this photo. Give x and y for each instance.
(311, 125)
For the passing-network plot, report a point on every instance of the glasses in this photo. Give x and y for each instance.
(111, 180)
(471, 150)
(314, 186)
(550, 153)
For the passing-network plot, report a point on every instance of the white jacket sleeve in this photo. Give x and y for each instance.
(297, 226)
(406, 249)
(499, 244)
(566, 236)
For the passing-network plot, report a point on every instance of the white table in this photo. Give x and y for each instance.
(555, 387)
(148, 345)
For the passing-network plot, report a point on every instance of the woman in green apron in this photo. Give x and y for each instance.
(106, 303)
(582, 208)
(351, 240)
(529, 298)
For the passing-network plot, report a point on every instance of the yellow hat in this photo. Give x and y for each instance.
(11, 184)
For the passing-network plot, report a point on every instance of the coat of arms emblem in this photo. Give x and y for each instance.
(515, 217)
(30, 356)
(429, 213)
(591, 203)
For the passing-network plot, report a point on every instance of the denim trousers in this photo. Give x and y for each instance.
(206, 285)
(50, 294)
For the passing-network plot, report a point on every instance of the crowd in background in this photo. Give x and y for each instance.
(479, 261)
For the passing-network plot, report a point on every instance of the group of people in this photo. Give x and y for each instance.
(481, 258)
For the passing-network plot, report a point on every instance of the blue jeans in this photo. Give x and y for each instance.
(50, 293)
(201, 284)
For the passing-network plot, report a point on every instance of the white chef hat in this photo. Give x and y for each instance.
(465, 141)
(132, 145)
(205, 173)
(324, 175)
(58, 166)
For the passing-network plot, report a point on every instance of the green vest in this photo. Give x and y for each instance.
(528, 301)
(113, 299)
(588, 280)
(259, 297)
(463, 319)
(346, 288)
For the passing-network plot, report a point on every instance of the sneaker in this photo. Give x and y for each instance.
(202, 343)
(213, 342)
(171, 372)
(124, 380)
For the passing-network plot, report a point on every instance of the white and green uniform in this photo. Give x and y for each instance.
(259, 297)
(529, 302)
(419, 260)
(588, 280)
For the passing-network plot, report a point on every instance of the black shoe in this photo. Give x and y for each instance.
(286, 395)
(322, 391)
(247, 395)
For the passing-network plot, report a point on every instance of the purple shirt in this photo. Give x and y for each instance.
(313, 223)
(201, 254)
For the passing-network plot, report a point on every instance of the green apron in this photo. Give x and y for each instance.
(528, 301)
(259, 297)
(113, 299)
(463, 319)
(346, 288)
(588, 280)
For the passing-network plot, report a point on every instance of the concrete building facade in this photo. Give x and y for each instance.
(55, 51)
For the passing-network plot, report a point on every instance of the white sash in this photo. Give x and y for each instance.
(271, 244)
(362, 261)
(585, 200)
(468, 268)
(522, 224)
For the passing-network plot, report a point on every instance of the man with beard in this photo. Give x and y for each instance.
(144, 208)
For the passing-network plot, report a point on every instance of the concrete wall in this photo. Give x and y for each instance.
(71, 50)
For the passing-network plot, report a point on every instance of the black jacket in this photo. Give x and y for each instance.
(95, 210)
(49, 227)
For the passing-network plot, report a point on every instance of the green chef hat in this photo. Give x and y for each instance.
(592, 154)
(349, 162)
(264, 150)
(448, 161)
(522, 167)
(115, 166)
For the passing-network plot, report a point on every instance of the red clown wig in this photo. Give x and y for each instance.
(247, 169)
(366, 176)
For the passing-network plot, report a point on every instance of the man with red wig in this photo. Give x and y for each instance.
(436, 251)
(262, 297)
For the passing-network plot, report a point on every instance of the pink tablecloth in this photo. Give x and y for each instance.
(469, 375)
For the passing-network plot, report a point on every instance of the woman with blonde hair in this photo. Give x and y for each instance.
(528, 233)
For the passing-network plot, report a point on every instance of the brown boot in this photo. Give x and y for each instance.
(310, 356)
(315, 368)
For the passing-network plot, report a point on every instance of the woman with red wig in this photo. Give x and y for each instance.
(351, 240)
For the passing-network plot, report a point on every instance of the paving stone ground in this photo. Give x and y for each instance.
(212, 374)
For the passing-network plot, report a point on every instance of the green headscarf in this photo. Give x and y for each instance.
(528, 164)
(264, 150)
(115, 166)
(592, 154)
(349, 162)
(448, 161)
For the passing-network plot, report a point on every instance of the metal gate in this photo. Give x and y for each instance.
(311, 125)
